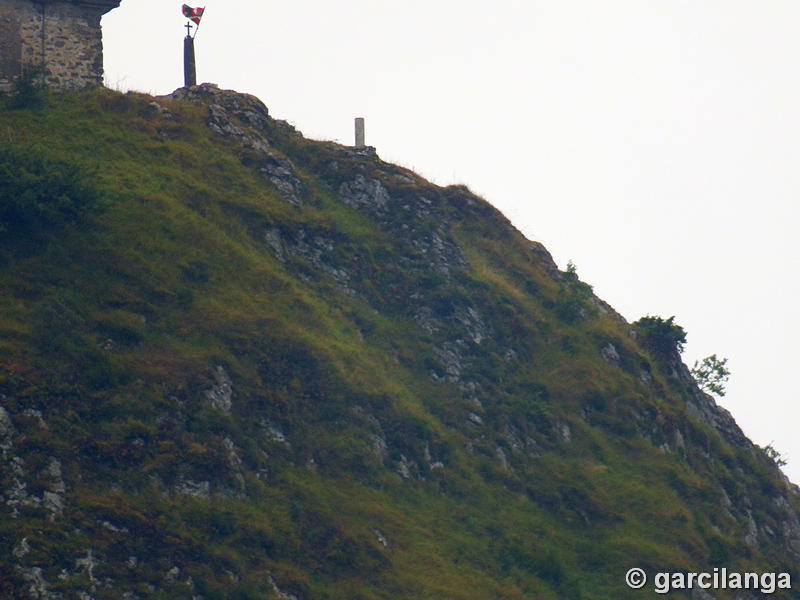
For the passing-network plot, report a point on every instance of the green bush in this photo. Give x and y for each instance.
(661, 335)
(29, 88)
(711, 374)
(39, 192)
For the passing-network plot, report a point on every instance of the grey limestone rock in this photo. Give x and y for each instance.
(380, 537)
(503, 459)
(198, 489)
(281, 594)
(220, 395)
(172, 574)
(450, 357)
(235, 464)
(162, 112)
(38, 586)
(54, 503)
(379, 446)
(7, 431)
(35, 414)
(273, 433)
(21, 549)
(432, 464)
(563, 431)
(609, 354)
(87, 565)
(442, 254)
(237, 102)
(365, 194)
(543, 256)
(475, 418)
(219, 122)
(707, 410)
(407, 468)
(53, 470)
(315, 249)
(281, 173)
(472, 323)
(273, 239)
(751, 536)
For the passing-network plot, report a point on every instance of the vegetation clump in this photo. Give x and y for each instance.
(711, 374)
(775, 456)
(29, 88)
(39, 192)
(663, 336)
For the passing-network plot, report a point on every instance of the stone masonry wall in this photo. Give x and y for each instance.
(65, 35)
(17, 18)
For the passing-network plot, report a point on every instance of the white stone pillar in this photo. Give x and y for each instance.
(360, 132)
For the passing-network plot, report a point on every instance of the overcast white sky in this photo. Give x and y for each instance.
(655, 143)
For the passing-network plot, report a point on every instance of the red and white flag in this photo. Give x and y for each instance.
(193, 14)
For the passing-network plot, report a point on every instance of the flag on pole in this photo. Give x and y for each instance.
(193, 14)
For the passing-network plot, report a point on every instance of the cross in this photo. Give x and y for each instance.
(188, 28)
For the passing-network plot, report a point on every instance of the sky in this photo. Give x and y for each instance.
(653, 143)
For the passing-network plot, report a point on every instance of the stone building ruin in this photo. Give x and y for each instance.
(63, 35)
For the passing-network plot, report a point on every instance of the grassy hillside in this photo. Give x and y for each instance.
(237, 363)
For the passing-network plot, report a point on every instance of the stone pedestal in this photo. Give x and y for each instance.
(189, 67)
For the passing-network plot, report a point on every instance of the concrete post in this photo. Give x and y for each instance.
(189, 67)
(360, 132)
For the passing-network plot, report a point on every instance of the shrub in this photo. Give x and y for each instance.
(38, 192)
(774, 455)
(568, 309)
(29, 88)
(580, 288)
(661, 335)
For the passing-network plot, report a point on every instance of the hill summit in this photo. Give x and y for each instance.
(238, 363)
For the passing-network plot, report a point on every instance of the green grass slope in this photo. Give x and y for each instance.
(237, 363)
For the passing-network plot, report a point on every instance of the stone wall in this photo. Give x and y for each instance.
(64, 34)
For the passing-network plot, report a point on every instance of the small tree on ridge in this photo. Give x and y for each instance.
(711, 374)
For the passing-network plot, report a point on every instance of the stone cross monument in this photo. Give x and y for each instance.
(62, 35)
(189, 63)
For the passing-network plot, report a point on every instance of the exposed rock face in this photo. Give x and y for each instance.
(609, 354)
(64, 36)
(707, 410)
(367, 194)
(38, 587)
(198, 489)
(221, 393)
(226, 107)
(245, 105)
(6, 431)
(313, 248)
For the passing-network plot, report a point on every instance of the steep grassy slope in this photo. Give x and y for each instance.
(263, 366)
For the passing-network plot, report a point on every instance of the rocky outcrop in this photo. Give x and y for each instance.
(246, 106)
(245, 120)
(17, 493)
(315, 249)
(704, 407)
(220, 394)
(365, 194)
(7, 431)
